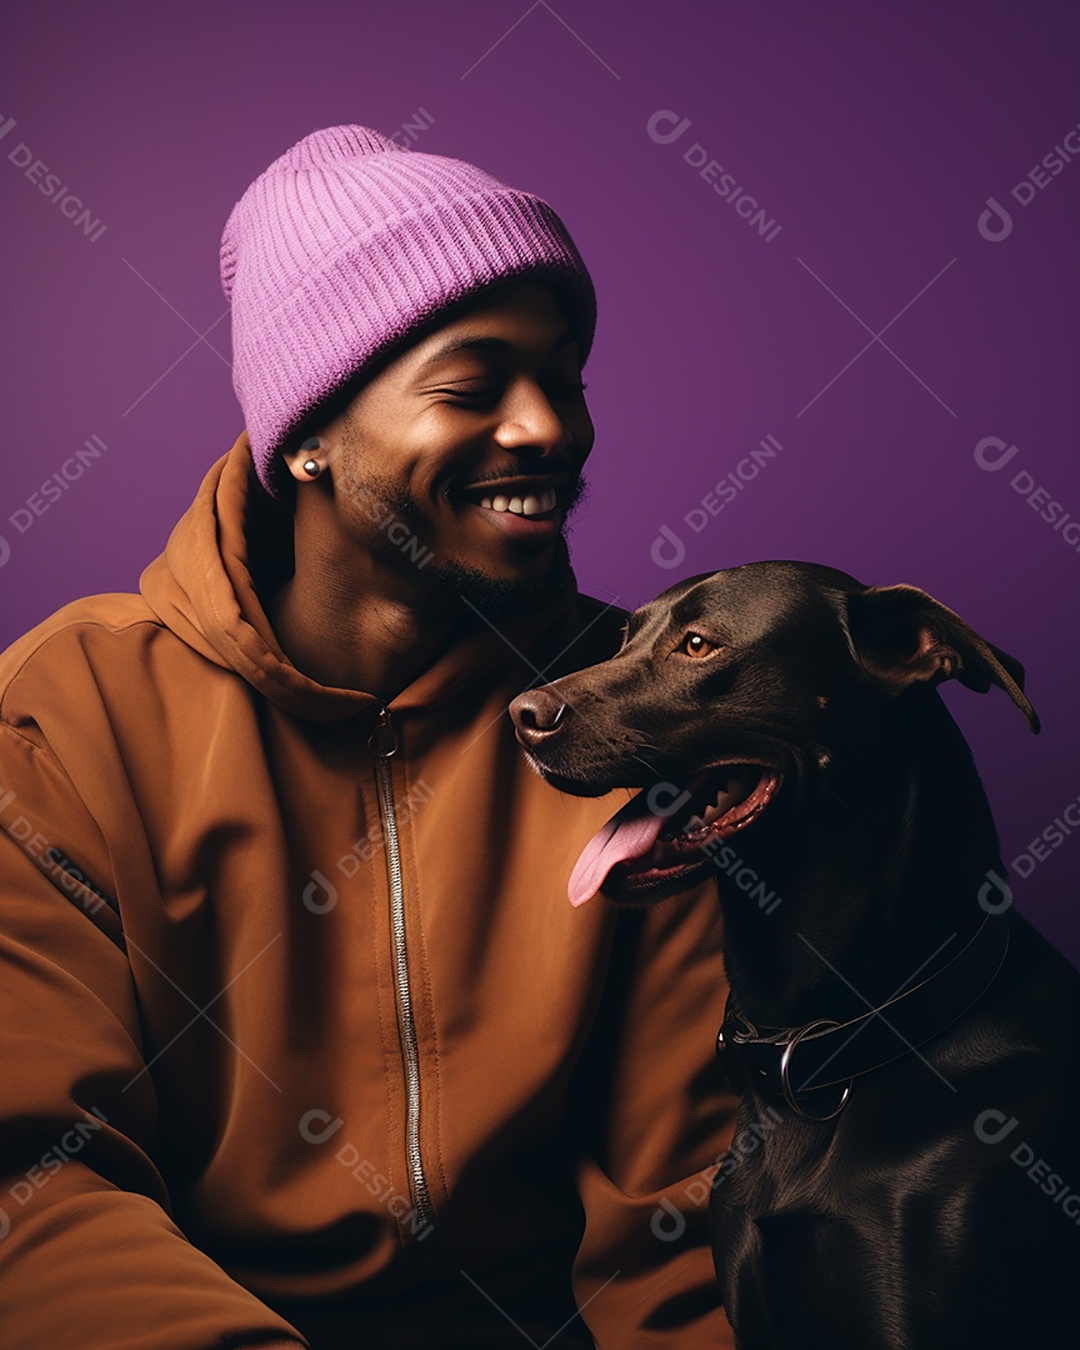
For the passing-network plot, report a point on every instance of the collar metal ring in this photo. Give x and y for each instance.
(785, 1069)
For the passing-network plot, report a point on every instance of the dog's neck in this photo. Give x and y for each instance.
(874, 875)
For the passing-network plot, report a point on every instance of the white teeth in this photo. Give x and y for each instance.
(535, 504)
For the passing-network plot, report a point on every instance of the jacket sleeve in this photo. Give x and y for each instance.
(89, 1255)
(655, 1119)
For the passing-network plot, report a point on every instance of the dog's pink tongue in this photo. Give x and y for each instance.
(628, 834)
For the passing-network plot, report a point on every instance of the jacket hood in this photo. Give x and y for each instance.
(231, 547)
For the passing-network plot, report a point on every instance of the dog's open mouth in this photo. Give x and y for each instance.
(648, 849)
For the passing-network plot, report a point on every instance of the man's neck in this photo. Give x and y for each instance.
(346, 638)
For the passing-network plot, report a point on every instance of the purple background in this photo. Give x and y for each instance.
(872, 135)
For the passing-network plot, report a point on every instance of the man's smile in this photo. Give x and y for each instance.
(530, 505)
(522, 508)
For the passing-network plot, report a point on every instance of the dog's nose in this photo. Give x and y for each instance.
(538, 716)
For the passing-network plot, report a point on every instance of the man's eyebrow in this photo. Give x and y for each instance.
(486, 344)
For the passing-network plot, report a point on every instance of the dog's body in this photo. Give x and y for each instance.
(861, 883)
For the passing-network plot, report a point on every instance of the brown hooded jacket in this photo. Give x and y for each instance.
(300, 1040)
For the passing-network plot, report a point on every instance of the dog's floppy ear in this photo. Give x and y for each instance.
(900, 635)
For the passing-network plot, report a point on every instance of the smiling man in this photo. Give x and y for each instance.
(471, 444)
(302, 1042)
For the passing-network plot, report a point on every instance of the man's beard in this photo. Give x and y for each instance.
(500, 598)
(496, 599)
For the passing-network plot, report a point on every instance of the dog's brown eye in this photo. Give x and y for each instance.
(693, 644)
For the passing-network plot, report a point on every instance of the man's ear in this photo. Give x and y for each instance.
(899, 636)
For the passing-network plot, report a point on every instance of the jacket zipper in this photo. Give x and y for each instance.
(383, 743)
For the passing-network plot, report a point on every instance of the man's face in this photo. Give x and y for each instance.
(456, 466)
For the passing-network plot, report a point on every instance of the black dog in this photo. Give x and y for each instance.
(907, 1043)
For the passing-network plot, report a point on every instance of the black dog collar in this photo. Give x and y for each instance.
(793, 1062)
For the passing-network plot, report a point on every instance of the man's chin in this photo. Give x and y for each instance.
(498, 598)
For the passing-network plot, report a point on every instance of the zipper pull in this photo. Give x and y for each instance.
(383, 741)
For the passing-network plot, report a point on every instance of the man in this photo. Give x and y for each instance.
(302, 1043)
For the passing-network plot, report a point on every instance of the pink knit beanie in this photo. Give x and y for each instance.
(349, 242)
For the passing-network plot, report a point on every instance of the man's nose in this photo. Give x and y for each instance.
(531, 420)
(538, 716)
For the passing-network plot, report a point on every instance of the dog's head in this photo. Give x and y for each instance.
(727, 687)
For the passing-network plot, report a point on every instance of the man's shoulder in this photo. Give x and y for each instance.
(593, 633)
(67, 639)
(593, 608)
